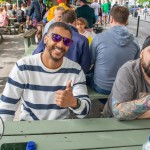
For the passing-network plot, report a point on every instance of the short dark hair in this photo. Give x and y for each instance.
(69, 16)
(59, 24)
(120, 14)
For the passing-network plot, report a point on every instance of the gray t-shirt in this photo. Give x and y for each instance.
(129, 85)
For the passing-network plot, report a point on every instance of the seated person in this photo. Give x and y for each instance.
(3, 18)
(81, 25)
(57, 17)
(61, 3)
(110, 50)
(79, 50)
(48, 84)
(130, 96)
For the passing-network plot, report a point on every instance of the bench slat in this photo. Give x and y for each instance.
(30, 33)
(74, 125)
(94, 95)
(84, 140)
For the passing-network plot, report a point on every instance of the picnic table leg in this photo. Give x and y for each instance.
(1, 36)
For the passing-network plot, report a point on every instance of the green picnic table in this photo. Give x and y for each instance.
(95, 133)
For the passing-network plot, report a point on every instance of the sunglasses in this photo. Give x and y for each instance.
(58, 38)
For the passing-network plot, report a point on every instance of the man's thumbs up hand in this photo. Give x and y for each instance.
(65, 98)
(68, 87)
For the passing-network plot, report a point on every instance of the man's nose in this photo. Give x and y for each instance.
(61, 43)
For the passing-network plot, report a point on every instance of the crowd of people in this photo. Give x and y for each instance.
(70, 56)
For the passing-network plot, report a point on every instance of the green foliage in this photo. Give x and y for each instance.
(142, 1)
(49, 3)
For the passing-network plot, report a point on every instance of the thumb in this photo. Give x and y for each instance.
(68, 87)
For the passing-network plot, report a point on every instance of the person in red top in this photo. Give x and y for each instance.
(3, 18)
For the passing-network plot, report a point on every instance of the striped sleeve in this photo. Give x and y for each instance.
(12, 93)
(80, 91)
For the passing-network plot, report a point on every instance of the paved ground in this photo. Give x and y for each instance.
(11, 49)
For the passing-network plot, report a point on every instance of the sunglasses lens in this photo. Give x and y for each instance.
(67, 41)
(56, 37)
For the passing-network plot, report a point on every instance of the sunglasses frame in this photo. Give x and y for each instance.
(2, 123)
(61, 37)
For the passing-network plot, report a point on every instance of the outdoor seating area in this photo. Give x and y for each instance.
(74, 77)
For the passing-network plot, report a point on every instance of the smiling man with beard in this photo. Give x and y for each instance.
(130, 96)
(48, 83)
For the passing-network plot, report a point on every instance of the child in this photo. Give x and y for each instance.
(81, 25)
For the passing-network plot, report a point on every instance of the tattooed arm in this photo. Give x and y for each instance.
(127, 103)
(130, 110)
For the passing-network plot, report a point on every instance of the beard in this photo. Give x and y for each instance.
(145, 67)
(53, 57)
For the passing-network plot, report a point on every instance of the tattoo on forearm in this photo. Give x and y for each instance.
(130, 110)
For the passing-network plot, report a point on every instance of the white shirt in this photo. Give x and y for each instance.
(96, 8)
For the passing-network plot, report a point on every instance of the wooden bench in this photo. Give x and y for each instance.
(94, 95)
(29, 51)
(29, 38)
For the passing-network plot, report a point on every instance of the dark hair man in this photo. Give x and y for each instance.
(48, 83)
(110, 50)
(79, 50)
(130, 96)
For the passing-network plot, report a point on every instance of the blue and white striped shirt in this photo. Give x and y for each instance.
(34, 84)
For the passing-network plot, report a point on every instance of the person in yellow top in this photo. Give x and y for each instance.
(61, 3)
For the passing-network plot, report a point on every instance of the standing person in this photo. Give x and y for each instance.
(145, 10)
(79, 50)
(86, 12)
(130, 97)
(109, 5)
(116, 4)
(100, 13)
(110, 50)
(48, 84)
(109, 8)
(35, 14)
(96, 8)
(105, 10)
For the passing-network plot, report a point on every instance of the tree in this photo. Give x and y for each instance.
(142, 1)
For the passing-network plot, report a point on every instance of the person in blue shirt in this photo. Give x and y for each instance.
(79, 50)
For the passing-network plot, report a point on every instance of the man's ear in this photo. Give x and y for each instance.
(141, 54)
(45, 39)
(111, 19)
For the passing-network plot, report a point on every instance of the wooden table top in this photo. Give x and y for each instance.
(96, 133)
